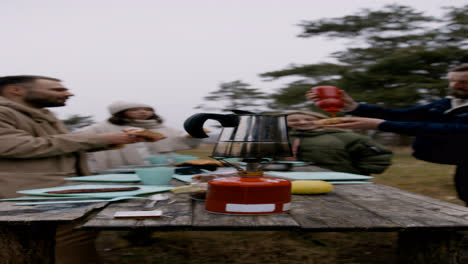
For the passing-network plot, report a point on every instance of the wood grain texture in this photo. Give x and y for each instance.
(211, 221)
(177, 214)
(330, 212)
(407, 211)
(33, 243)
(10, 213)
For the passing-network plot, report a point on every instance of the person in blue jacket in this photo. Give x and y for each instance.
(440, 128)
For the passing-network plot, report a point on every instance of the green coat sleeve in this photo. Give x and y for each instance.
(368, 156)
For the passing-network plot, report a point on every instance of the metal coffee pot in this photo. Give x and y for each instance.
(245, 135)
(257, 139)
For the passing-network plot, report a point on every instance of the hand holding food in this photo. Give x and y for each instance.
(330, 121)
(117, 139)
(201, 162)
(350, 122)
(146, 134)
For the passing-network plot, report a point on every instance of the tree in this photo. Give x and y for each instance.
(74, 122)
(236, 95)
(396, 57)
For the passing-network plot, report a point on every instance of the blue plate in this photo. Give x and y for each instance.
(143, 189)
(332, 177)
(324, 176)
(106, 178)
(184, 178)
(293, 162)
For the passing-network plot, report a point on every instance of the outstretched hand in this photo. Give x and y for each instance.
(356, 123)
(127, 138)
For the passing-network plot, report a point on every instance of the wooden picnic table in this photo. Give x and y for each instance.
(427, 227)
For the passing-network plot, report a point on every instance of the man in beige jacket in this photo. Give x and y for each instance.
(36, 151)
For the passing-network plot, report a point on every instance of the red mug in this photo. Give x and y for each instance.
(329, 98)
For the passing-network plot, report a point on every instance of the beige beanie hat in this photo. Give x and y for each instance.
(119, 106)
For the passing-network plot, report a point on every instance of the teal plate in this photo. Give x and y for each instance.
(337, 177)
(184, 178)
(143, 189)
(106, 178)
(323, 176)
(292, 162)
(141, 166)
(350, 182)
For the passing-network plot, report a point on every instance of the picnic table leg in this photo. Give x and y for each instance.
(25, 244)
(428, 247)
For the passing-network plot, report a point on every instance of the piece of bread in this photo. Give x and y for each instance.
(145, 132)
(329, 121)
(201, 178)
(201, 162)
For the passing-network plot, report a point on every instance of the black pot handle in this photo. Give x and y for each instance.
(194, 124)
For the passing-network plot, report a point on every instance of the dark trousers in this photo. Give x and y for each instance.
(461, 182)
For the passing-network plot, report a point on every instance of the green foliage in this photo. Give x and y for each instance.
(292, 97)
(391, 18)
(235, 95)
(396, 57)
(74, 122)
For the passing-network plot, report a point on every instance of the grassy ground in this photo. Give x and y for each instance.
(282, 246)
(429, 179)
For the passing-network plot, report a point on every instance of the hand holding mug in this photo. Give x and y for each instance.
(348, 103)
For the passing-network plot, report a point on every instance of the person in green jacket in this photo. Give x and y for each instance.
(334, 149)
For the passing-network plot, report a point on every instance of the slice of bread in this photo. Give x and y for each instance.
(201, 162)
(148, 133)
(329, 121)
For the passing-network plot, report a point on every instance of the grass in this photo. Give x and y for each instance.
(429, 179)
(407, 173)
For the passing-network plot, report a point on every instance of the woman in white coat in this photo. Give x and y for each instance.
(129, 115)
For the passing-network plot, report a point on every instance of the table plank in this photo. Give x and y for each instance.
(206, 220)
(427, 202)
(11, 213)
(177, 211)
(408, 211)
(329, 212)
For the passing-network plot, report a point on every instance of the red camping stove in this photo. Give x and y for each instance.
(248, 194)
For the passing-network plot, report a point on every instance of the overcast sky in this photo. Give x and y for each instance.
(166, 53)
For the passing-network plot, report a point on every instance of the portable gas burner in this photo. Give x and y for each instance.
(254, 138)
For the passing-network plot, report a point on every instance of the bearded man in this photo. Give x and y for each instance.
(37, 152)
(441, 127)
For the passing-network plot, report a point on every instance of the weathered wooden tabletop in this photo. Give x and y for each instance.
(349, 207)
(353, 207)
